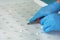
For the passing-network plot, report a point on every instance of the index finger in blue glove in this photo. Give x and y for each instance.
(36, 16)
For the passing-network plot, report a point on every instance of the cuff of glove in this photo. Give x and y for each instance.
(56, 4)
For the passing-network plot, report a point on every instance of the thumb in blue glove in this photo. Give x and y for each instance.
(51, 8)
(51, 23)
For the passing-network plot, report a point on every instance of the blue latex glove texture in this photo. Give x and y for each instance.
(51, 20)
(51, 23)
(51, 8)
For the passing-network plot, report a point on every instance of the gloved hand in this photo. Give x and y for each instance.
(51, 23)
(51, 8)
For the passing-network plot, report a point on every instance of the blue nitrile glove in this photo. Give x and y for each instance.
(51, 23)
(52, 8)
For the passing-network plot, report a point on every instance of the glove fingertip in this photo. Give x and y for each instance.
(30, 20)
(47, 30)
